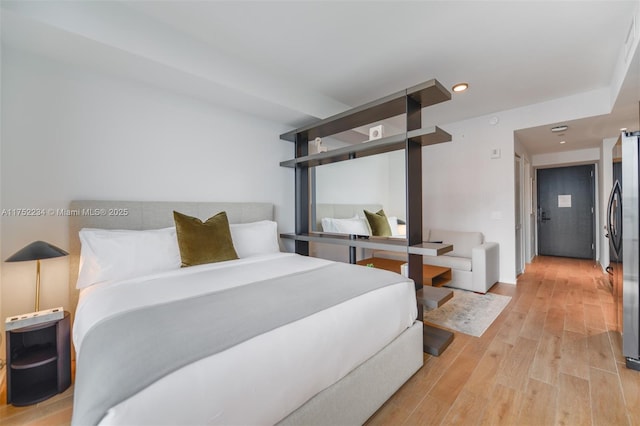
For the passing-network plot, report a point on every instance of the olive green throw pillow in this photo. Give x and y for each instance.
(206, 242)
(378, 223)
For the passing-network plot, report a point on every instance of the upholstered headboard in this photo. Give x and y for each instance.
(139, 215)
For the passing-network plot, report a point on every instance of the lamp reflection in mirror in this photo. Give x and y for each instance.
(37, 250)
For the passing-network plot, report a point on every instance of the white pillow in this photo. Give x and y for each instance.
(119, 254)
(250, 239)
(327, 225)
(393, 224)
(354, 226)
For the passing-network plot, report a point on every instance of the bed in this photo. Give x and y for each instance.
(316, 354)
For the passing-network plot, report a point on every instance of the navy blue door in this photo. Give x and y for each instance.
(566, 211)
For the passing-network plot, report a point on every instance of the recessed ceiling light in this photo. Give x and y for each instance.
(560, 128)
(460, 87)
(562, 142)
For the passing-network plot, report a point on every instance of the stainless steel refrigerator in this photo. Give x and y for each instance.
(623, 231)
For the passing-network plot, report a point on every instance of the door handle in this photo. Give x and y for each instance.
(543, 215)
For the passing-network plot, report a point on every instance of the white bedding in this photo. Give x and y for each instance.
(261, 380)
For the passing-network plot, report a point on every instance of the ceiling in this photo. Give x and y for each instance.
(295, 61)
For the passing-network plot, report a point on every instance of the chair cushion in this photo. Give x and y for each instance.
(453, 262)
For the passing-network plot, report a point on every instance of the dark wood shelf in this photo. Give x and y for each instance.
(35, 357)
(435, 340)
(433, 297)
(426, 94)
(36, 393)
(430, 249)
(426, 136)
(429, 136)
(375, 243)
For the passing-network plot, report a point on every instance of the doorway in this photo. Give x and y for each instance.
(518, 172)
(566, 211)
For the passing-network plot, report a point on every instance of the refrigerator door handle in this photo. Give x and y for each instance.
(613, 227)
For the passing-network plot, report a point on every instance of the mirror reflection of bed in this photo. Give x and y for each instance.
(350, 219)
(343, 190)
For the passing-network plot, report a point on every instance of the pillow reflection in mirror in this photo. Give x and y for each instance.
(352, 226)
(379, 223)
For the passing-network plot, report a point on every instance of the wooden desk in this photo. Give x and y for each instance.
(436, 276)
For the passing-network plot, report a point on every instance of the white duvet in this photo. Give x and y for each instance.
(261, 380)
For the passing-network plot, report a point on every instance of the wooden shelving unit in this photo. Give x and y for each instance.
(428, 136)
(425, 94)
(374, 243)
(409, 102)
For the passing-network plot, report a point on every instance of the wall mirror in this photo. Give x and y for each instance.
(375, 180)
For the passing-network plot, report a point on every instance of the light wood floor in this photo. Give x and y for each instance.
(551, 358)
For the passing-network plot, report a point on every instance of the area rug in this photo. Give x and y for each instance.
(468, 312)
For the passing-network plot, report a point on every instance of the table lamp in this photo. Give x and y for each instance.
(36, 251)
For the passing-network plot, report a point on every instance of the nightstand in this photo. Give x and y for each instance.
(38, 361)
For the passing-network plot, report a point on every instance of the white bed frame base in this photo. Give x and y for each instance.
(356, 397)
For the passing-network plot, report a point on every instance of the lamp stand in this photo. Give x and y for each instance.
(37, 285)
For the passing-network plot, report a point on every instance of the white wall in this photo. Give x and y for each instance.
(71, 133)
(377, 179)
(559, 159)
(397, 204)
(464, 189)
(358, 181)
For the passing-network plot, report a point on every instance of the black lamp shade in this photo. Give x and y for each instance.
(35, 251)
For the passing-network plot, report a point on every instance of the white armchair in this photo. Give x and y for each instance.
(474, 263)
(485, 266)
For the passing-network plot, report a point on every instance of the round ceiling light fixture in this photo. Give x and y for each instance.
(460, 87)
(560, 128)
(563, 142)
